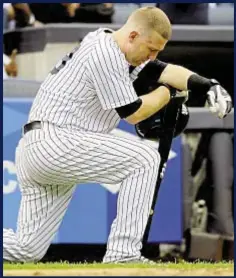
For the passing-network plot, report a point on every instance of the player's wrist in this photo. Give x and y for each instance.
(199, 84)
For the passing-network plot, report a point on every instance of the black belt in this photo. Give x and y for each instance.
(31, 126)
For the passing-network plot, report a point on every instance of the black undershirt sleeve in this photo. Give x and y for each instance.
(148, 77)
(152, 70)
(129, 109)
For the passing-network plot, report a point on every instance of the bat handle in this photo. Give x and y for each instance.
(162, 172)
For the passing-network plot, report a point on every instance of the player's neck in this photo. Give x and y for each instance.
(119, 38)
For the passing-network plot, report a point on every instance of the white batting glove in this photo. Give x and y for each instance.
(219, 100)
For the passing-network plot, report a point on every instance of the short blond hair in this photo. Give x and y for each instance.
(151, 18)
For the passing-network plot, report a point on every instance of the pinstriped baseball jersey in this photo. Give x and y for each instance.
(84, 88)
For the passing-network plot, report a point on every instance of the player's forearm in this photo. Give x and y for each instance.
(151, 103)
(176, 76)
(184, 79)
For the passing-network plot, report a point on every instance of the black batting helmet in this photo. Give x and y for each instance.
(153, 127)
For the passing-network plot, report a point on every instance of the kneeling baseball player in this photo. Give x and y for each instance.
(67, 139)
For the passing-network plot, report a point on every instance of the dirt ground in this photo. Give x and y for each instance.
(122, 272)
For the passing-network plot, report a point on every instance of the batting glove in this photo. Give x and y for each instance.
(219, 100)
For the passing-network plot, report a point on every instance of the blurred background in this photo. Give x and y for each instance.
(194, 216)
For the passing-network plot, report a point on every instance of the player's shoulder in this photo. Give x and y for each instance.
(106, 52)
(98, 34)
(106, 45)
(106, 42)
(92, 41)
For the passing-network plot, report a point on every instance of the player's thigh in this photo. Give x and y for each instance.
(107, 158)
(76, 157)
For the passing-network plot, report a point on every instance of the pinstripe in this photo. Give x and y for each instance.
(58, 210)
(79, 56)
(127, 195)
(110, 79)
(120, 143)
(137, 70)
(33, 159)
(137, 220)
(104, 101)
(41, 238)
(60, 88)
(105, 74)
(146, 217)
(119, 67)
(75, 107)
(58, 161)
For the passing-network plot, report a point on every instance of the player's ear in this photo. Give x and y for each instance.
(133, 35)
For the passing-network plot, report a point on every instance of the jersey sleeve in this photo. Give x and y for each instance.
(135, 71)
(110, 75)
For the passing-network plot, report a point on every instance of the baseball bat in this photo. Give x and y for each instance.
(165, 142)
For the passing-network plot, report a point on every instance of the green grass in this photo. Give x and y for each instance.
(66, 265)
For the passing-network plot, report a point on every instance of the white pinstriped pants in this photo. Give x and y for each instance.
(51, 161)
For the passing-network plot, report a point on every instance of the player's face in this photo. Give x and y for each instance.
(144, 47)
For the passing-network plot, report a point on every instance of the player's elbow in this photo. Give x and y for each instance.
(131, 111)
(133, 119)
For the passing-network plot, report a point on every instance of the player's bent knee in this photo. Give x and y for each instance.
(152, 157)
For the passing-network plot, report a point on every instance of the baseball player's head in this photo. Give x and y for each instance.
(144, 35)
